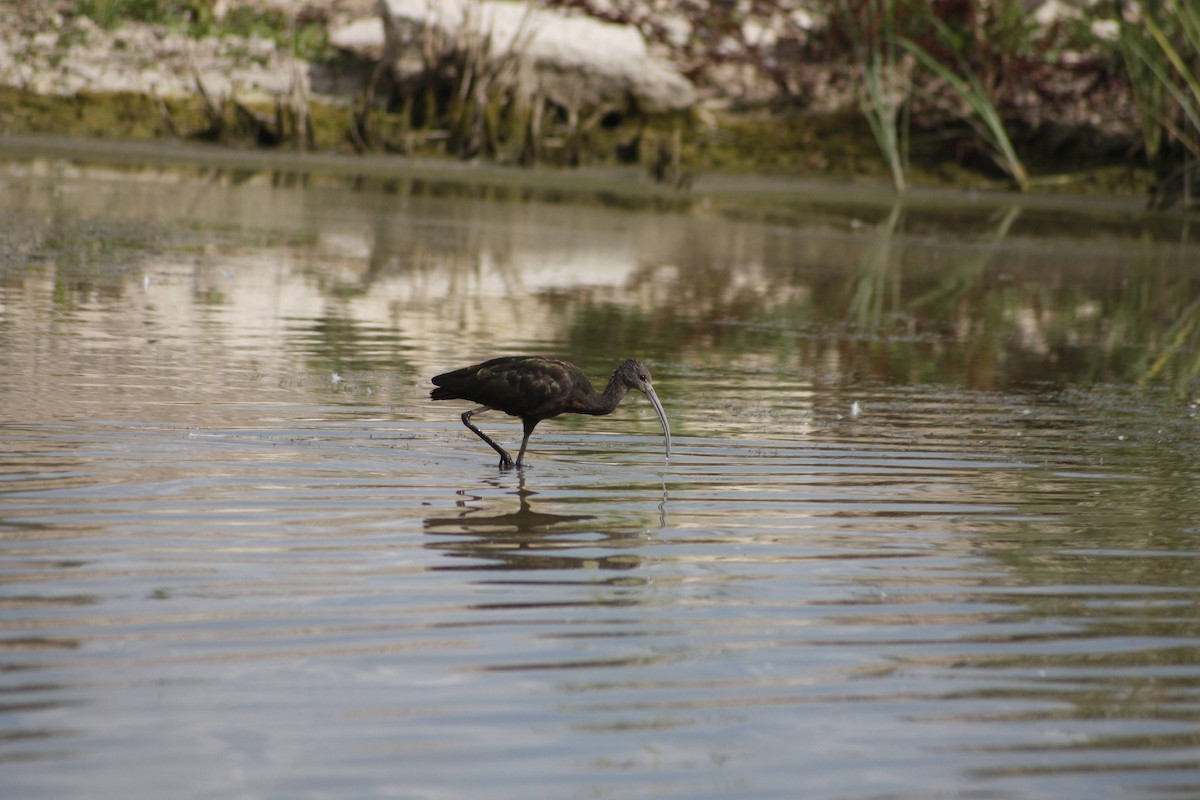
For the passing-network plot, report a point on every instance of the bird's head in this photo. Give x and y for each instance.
(635, 375)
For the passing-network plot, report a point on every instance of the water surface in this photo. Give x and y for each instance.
(929, 528)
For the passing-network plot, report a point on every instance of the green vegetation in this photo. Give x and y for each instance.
(196, 19)
(983, 116)
(884, 83)
(971, 58)
(967, 93)
(1161, 50)
(978, 59)
(137, 116)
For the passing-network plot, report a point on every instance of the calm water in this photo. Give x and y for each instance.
(931, 527)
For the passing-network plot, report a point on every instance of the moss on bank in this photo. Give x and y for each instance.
(671, 148)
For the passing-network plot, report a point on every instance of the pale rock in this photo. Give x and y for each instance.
(362, 37)
(1053, 11)
(573, 61)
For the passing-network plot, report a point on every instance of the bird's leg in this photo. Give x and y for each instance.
(506, 461)
(529, 426)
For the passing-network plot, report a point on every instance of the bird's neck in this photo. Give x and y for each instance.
(604, 402)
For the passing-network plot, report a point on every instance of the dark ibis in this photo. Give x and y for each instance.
(535, 389)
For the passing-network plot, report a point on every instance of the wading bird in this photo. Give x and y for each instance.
(535, 389)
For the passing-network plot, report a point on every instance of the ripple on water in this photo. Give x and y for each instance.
(240, 550)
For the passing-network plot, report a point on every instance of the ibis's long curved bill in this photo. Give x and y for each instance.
(662, 417)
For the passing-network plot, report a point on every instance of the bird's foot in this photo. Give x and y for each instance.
(506, 462)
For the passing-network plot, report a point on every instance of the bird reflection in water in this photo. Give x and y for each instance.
(527, 539)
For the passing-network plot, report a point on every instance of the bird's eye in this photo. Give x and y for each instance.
(643, 376)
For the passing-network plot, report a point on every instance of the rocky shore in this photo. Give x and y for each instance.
(576, 89)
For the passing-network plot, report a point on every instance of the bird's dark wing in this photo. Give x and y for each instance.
(523, 386)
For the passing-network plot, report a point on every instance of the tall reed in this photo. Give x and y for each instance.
(884, 88)
(1160, 43)
(981, 112)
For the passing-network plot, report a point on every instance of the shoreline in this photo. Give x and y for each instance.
(631, 182)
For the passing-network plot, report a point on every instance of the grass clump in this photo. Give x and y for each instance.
(1160, 45)
(196, 19)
